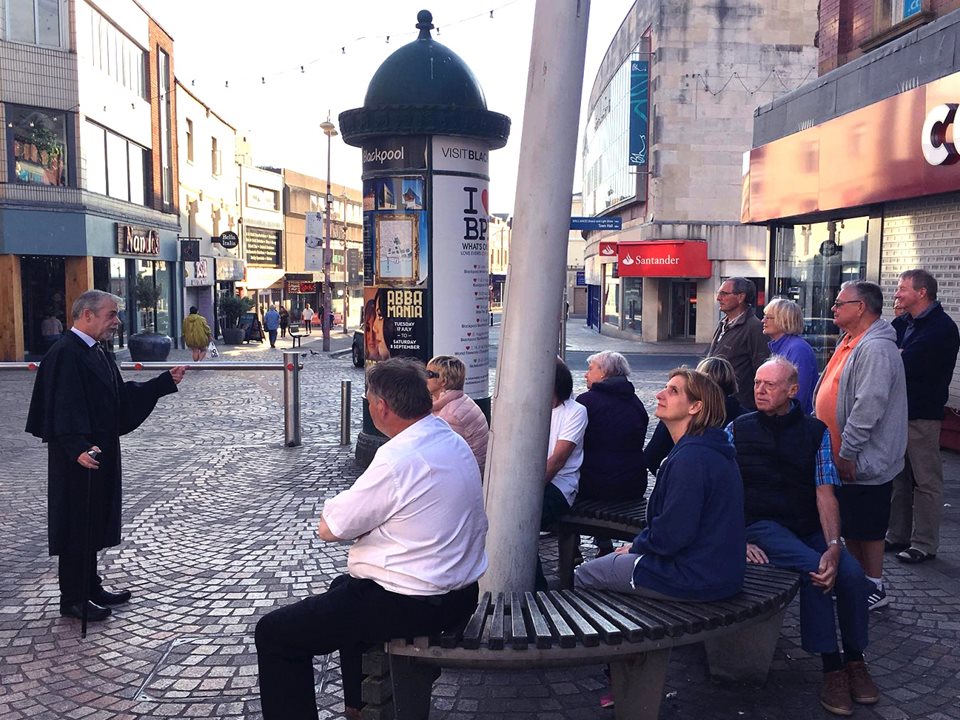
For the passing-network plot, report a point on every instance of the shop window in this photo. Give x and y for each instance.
(113, 165)
(189, 140)
(37, 22)
(810, 263)
(37, 144)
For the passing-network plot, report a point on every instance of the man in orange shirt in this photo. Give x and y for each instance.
(862, 399)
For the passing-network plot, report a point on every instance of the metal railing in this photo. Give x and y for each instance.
(291, 383)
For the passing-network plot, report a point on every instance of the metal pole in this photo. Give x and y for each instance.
(329, 130)
(530, 325)
(344, 412)
(346, 273)
(563, 328)
(291, 399)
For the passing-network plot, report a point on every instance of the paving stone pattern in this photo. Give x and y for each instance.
(219, 522)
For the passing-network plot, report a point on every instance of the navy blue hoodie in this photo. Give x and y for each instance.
(694, 545)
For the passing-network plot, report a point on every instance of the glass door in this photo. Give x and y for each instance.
(683, 309)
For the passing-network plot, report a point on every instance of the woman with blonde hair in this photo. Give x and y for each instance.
(445, 377)
(783, 325)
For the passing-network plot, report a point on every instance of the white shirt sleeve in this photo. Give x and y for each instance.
(366, 505)
(573, 423)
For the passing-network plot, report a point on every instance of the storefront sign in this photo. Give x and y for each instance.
(133, 240)
(608, 251)
(639, 99)
(301, 287)
(911, 8)
(664, 258)
(229, 240)
(262, 246)
(397, 153)
(197, 274)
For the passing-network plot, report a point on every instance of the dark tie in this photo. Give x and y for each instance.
(104, 362)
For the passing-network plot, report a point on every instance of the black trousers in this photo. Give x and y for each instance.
(352, 616)
(72, 567)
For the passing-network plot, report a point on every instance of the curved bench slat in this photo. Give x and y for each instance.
(609, 608)
(543, 638)
(610, 633)
(672, 626)
(588, 635)
(496, 634)
(519, 637)
(652, 627)
(473, 631)
(565, 636)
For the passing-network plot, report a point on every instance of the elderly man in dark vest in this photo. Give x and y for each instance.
(793, 522)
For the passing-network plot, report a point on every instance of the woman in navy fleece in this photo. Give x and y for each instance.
(692, 547)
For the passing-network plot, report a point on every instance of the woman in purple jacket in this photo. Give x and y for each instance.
(783, 324)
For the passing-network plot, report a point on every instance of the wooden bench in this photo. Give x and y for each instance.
(615, 519)
(584, 627)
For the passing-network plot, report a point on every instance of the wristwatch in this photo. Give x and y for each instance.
(835, 541)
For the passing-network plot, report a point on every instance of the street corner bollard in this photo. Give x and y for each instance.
(291, 399)
(345, 412)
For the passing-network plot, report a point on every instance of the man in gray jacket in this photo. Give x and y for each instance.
(862, 398)
(739, 336)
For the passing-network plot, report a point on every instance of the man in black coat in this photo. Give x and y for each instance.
(80, 405)
(928, 340)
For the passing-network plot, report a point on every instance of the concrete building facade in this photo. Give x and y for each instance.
(669, 118)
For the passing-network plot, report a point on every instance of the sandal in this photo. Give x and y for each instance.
(912, 556)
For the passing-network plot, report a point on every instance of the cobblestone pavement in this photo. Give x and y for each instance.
(219, 528)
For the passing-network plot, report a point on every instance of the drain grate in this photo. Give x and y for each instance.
(204, 668)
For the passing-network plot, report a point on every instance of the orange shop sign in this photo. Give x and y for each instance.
(663, 258)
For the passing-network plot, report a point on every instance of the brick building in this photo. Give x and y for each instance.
(854, 175)
(669, 118)
(88, 171)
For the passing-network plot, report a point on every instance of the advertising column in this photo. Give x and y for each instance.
(396, 249)
(460, 205)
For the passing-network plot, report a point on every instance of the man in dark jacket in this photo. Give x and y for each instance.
(793, 522)
(80, 405)
(739, 336)
(928, 340)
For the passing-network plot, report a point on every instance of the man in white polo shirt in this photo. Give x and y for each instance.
(419, 526)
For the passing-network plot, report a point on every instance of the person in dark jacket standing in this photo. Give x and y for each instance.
(739, 336)
(81, 404)
(612, 466)
(928, 340)
(793, 522)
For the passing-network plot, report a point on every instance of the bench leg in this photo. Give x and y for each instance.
(745, 656)
(412, 686)
(566, 550)
(638, 685)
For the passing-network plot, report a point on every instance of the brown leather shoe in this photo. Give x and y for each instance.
(835, 694)
(862, 688)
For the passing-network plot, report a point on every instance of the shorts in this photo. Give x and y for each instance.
(864, 511)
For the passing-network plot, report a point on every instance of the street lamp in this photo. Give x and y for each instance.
(330, 130)
(346, 271)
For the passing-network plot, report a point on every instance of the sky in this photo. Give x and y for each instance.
(274, 74)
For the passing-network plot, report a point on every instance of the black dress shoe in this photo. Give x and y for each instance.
(107, 598)
(95, 612)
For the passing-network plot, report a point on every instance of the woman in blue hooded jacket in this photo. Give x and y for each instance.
(692, 547)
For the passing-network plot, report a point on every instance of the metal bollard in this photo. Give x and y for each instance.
(291, 399)
(344, 412)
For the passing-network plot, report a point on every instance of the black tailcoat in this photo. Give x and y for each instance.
(78, 401)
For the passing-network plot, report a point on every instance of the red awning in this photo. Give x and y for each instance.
(663, 258)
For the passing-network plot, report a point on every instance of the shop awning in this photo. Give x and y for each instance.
(259, 278)
(663, 258)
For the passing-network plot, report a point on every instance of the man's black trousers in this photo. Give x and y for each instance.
(352, 616)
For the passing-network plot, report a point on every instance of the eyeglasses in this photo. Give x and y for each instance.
(840, 303)
(432, 375)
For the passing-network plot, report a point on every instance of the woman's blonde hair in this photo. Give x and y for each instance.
(451, 370)
(700, 387)
(787, 314)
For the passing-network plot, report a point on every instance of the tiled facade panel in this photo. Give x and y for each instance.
(924, 233)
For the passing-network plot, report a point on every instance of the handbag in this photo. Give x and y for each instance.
(212, 350)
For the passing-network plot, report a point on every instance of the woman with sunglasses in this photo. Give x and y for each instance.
(445, 376)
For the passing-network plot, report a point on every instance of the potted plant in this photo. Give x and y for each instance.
(148, 345)
(232, 308)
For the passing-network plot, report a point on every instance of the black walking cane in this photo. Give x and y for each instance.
(88, 542)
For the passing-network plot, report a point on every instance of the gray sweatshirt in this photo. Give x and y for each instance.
(872, 406)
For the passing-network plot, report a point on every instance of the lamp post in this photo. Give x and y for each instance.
(330, 130)
(346, 272)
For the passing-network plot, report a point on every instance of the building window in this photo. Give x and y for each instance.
(113, 165)
(893, 12)
(166, 122)
(37, 145)
(189, 140)
(215, 166)
(263, 198)
(116, 55)
(810, 263)
(37, 22)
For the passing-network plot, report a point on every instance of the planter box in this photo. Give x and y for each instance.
(149, 347)
(234, 336)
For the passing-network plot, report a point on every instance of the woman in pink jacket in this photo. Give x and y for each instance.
(445, 375)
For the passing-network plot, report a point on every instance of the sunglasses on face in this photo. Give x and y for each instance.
(432, 374)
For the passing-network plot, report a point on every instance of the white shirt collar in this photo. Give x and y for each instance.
(83, 336)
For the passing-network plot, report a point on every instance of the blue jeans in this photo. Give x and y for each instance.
(818, 631)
